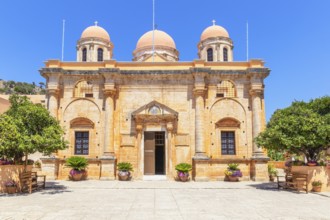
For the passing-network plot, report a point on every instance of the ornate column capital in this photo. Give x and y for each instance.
(110, 92)
(139, 128)
(53, 92)
(199, 92)
(256, 92)
(169, 127)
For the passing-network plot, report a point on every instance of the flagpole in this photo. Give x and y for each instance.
(63, 39)
(153, 30)
(247, 41)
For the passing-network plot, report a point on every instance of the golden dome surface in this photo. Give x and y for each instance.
(214, 31)
(95, 32)
(160, 39)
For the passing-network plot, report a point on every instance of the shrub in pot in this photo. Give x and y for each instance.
(233, 173)
(124, 170)
(272, 172)
(78, 165)
(183, 171)
(317, 185)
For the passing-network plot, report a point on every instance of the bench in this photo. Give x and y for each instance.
(30, 181)
(295, 181)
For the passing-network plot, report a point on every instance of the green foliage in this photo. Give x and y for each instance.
(183, 167)
(27, 128)
(272, 169)
(317, 183)
(233, 166)
(275, 155)
(302, 128)
(23, 88)
(76, 163)
(124, 166)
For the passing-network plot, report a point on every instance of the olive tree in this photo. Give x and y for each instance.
(27, 128)
(302, 128)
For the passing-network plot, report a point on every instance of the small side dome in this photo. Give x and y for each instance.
(160, 39)
(214, 31)
(95, 32)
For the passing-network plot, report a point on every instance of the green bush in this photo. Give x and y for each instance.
(233, 166)
(76, 163)
(183, 167)
(124, 166)
(272, 169)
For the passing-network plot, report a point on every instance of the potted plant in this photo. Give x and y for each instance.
(272, 172)
(78, 165)
(317, 185)
(312, 163)
(183, 171)
(233, 172)
(125, 169)
(11, 186)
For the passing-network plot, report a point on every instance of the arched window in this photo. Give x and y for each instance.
(99, 54)
(209, 54)
(84, 55)
(225, 54)
(226, 89)
(83, 89)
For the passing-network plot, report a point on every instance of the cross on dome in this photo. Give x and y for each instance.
(95, 23)
(213, 21)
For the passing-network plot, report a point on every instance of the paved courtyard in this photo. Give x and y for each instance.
(164, 200)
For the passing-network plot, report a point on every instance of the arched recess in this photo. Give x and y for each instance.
(85, 108)
(229, 128)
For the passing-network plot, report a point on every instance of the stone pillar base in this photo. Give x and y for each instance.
(200, 156)
(108, 171)
(259, 169)
(200, 172)
(49, 167)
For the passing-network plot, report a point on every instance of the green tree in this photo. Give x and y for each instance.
(302, 128)
(33, 129)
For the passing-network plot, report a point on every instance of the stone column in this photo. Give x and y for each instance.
(199, 124)
(256, 120)
(108, 147)
(53, 102)
(169, 127)
(139, 129)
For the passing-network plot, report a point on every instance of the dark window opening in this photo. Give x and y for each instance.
(89, 95)
(81, 146)
(228, 143)
(84, 55)
(225, 54)
(99, 54)
(219, 95)
(209, 54)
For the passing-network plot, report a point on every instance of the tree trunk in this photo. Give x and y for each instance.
(26, 162)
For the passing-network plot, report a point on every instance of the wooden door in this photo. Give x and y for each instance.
(149, 153)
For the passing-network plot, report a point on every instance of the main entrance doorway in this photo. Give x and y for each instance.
(154, 153)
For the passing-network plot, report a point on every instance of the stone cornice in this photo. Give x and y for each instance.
(258, 72)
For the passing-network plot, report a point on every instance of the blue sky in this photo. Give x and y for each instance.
(291, 36)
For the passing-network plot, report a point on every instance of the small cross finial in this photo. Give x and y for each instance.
(95, 23)
(213, 21)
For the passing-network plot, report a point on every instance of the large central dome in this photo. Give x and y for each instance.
(160, 39)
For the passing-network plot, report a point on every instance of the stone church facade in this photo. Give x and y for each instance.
(155, 111)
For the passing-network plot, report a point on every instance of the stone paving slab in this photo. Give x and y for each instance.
(164, 200)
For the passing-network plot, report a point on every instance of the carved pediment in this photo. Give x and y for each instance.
(154, 112)
(228, 122)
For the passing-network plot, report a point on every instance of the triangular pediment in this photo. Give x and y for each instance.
(157, 58)
(154, 108)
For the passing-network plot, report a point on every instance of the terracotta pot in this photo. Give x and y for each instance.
(124, 175)
(77, 176)
(232, 178)
(317, 188)
(183, 177)
(11, 189)
(311, 164)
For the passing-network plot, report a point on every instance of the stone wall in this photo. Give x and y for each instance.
(11, 172)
